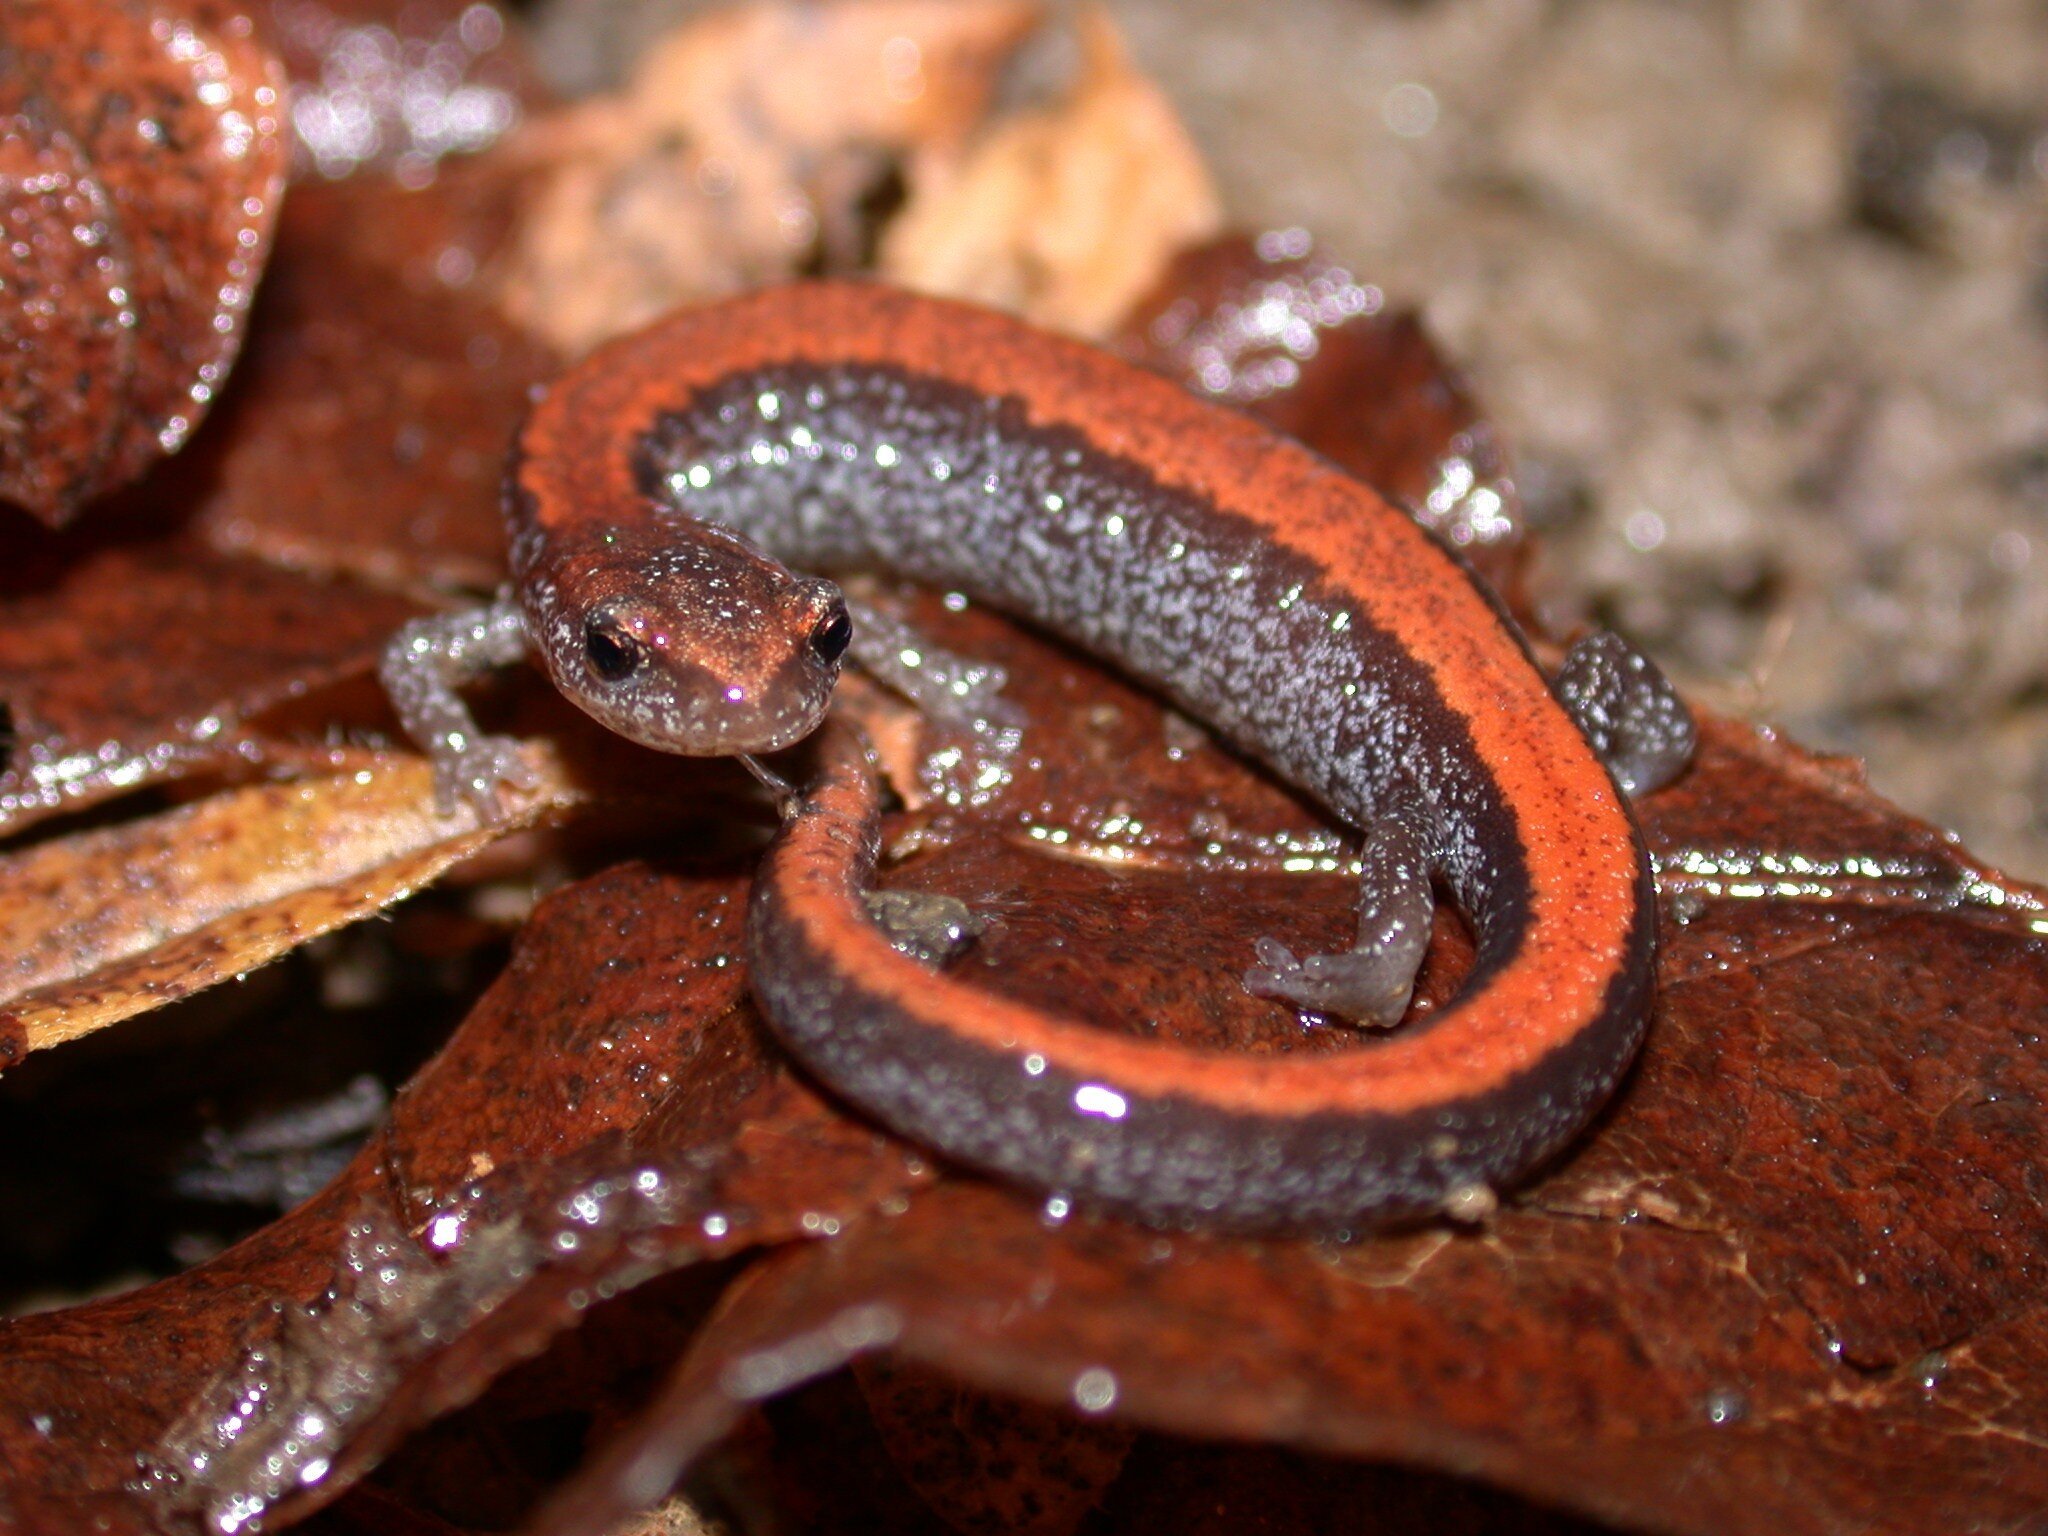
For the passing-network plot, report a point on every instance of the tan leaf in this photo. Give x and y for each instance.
(745, 150)
(111, 923)
(1067, 215)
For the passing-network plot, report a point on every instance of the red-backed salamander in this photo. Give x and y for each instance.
(658, 489)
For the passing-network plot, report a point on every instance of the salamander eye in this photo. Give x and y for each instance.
(829, 640)
(614, 654)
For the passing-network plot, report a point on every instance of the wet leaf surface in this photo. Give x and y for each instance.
(128, 663)
(606, 1112)
(1873, 1051)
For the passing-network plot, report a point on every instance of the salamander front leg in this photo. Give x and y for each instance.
(1371, 982)
(422, 666)
(947, 686)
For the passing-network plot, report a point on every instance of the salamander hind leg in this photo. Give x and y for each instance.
(1628, 710)
(1370, 983)
(931, 928)
(421, 668)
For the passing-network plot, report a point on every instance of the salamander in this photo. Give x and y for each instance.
(661, 494)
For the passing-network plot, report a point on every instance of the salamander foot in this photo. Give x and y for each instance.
(1370, 983)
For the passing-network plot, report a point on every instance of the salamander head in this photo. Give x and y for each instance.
(687, 641)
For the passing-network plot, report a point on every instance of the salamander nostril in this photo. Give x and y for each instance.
(830, 639)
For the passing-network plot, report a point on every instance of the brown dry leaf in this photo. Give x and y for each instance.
(107, 924)
(743, 152)
(1275, 327)
(1066, 214)
(162, 125)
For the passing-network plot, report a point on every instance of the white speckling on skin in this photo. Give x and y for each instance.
(1027, 519)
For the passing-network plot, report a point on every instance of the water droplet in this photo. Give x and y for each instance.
(1095, 1390)
(1725, 1405)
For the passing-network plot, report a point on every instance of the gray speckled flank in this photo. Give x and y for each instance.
(850, 467)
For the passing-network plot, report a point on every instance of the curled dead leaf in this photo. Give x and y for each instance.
(144, 155)
(103, 925)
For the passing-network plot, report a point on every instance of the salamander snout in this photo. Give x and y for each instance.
(703, 657)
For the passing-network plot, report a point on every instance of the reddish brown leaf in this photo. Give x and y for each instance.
(368, 424)
(67, 352)
(606, 1113)
(176, 113)
(1273, 326)
(1126, 859)
(987, 1464)
(1865, 1024)
(1631, 1372)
